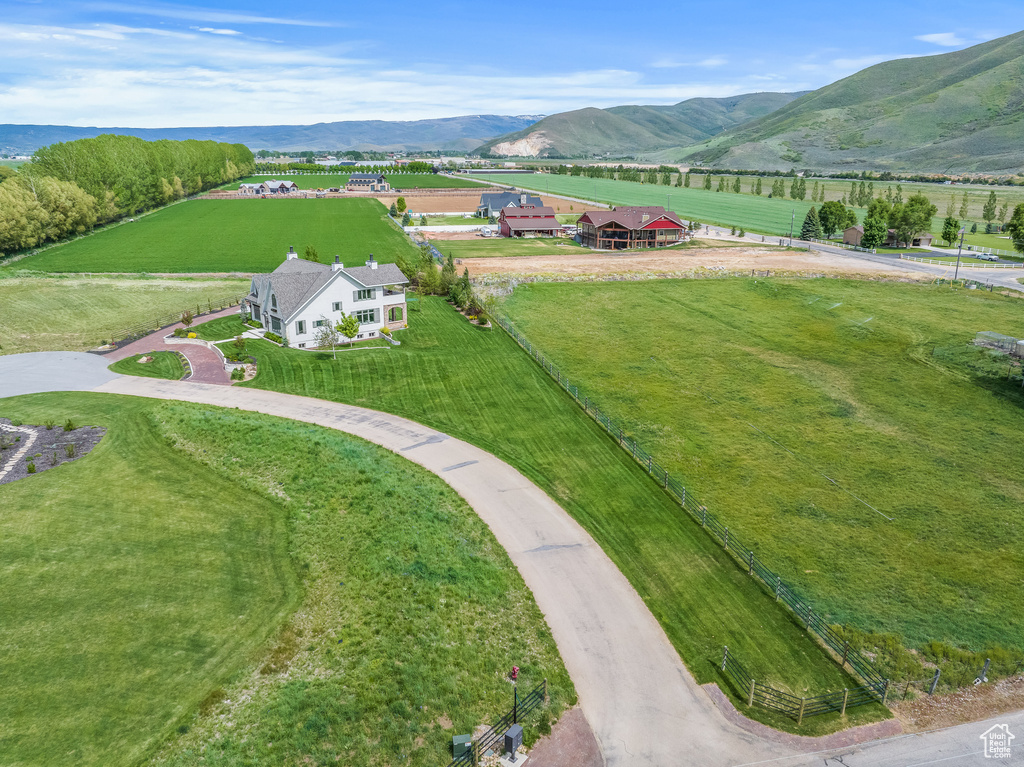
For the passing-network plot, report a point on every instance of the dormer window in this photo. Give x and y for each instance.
(273, 302)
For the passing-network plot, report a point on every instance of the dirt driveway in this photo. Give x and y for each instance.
(680, 262)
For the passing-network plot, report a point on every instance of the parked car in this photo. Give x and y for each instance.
(988, 256)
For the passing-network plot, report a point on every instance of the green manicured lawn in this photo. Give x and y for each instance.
(232, 236)
(760, 394)
(454, 221)
(480, 387)
(163, 365)
(220, 329)
(398, 181)
(134, 581)
(486, 247)
(249, 590)
(75, 314)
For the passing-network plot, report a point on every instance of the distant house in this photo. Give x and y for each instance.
(298, 295)
(268, 187)
(854, 234)
(367, 182)
(492, 203)
(528, 222)
(628, 228)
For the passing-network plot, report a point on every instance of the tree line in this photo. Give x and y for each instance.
(72, 186)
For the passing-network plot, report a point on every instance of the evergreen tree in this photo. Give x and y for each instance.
(448, 275)
(736, 185)
(686, 180)
(974, 228)
(707, 182)
(988, 210)
(393, 210)
(721, 184)
(757, 187)
(811, 229)
(862, 196)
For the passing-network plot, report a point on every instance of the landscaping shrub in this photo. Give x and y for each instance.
(49, 423)
(69, 425)
(54, 460)
(69, 450)
(191, 335)
(238, 374)
(273, 337)
(31, 468)
(180, 332)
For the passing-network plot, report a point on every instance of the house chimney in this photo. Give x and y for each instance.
(337, 266)
(522, 200)
(290, 254)
(371, 263)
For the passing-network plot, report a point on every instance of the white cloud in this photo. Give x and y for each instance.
(192, 13)
(945, 39)
(670, 63)
(714, 61)
(213, 31)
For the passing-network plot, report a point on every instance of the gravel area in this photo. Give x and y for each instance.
(25, 445)
(968, 704)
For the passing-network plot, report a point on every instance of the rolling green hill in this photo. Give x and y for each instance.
(957, 111)
(631, 130)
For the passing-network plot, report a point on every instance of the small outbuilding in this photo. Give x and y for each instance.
(529, 222)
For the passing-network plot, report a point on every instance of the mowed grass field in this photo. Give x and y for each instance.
(486, 247)
(328, 180)
(477, 385)
(79, 313)
(249, 591)
(232, 236)
(844, 427)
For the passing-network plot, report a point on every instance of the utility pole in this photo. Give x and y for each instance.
(958, 251)
(792, 222)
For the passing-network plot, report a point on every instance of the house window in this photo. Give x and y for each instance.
(302, 346)
(275, 324)
(319, 323)
(366, 316)
(395, 314)
(336, 306)
(364, 295)
(273, 302)
(300, 327)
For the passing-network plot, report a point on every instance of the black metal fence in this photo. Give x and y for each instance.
(729, 540)
(524, 706)
(763, 695)
(202, 306)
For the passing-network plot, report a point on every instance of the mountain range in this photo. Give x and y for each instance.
(951, 112)
(456, 134)
(630, 130)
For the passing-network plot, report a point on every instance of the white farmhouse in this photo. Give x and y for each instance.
(295, 298)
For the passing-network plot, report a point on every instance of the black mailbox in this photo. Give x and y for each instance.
(513, 740)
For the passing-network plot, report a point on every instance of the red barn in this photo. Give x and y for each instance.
(529, 222)
(628, 228)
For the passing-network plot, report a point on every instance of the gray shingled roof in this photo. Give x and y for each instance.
(384, 274)
(495, 200)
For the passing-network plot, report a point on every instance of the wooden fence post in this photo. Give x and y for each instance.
(935, 681)
(846, 697)
(885, 692)
(727, 538)
(586, 404)
(725, 657)
(546, 698)
(750, 564)
(750, 693)
(800, 718)
(778, 586)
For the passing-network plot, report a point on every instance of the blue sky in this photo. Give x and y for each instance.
(162, 64)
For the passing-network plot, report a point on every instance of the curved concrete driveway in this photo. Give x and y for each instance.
(641, 702)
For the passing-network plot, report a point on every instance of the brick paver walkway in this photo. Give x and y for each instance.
(207, 366)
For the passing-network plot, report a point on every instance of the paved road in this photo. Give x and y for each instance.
(642, 703)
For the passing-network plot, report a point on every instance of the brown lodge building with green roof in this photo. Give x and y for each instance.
(629, 228)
